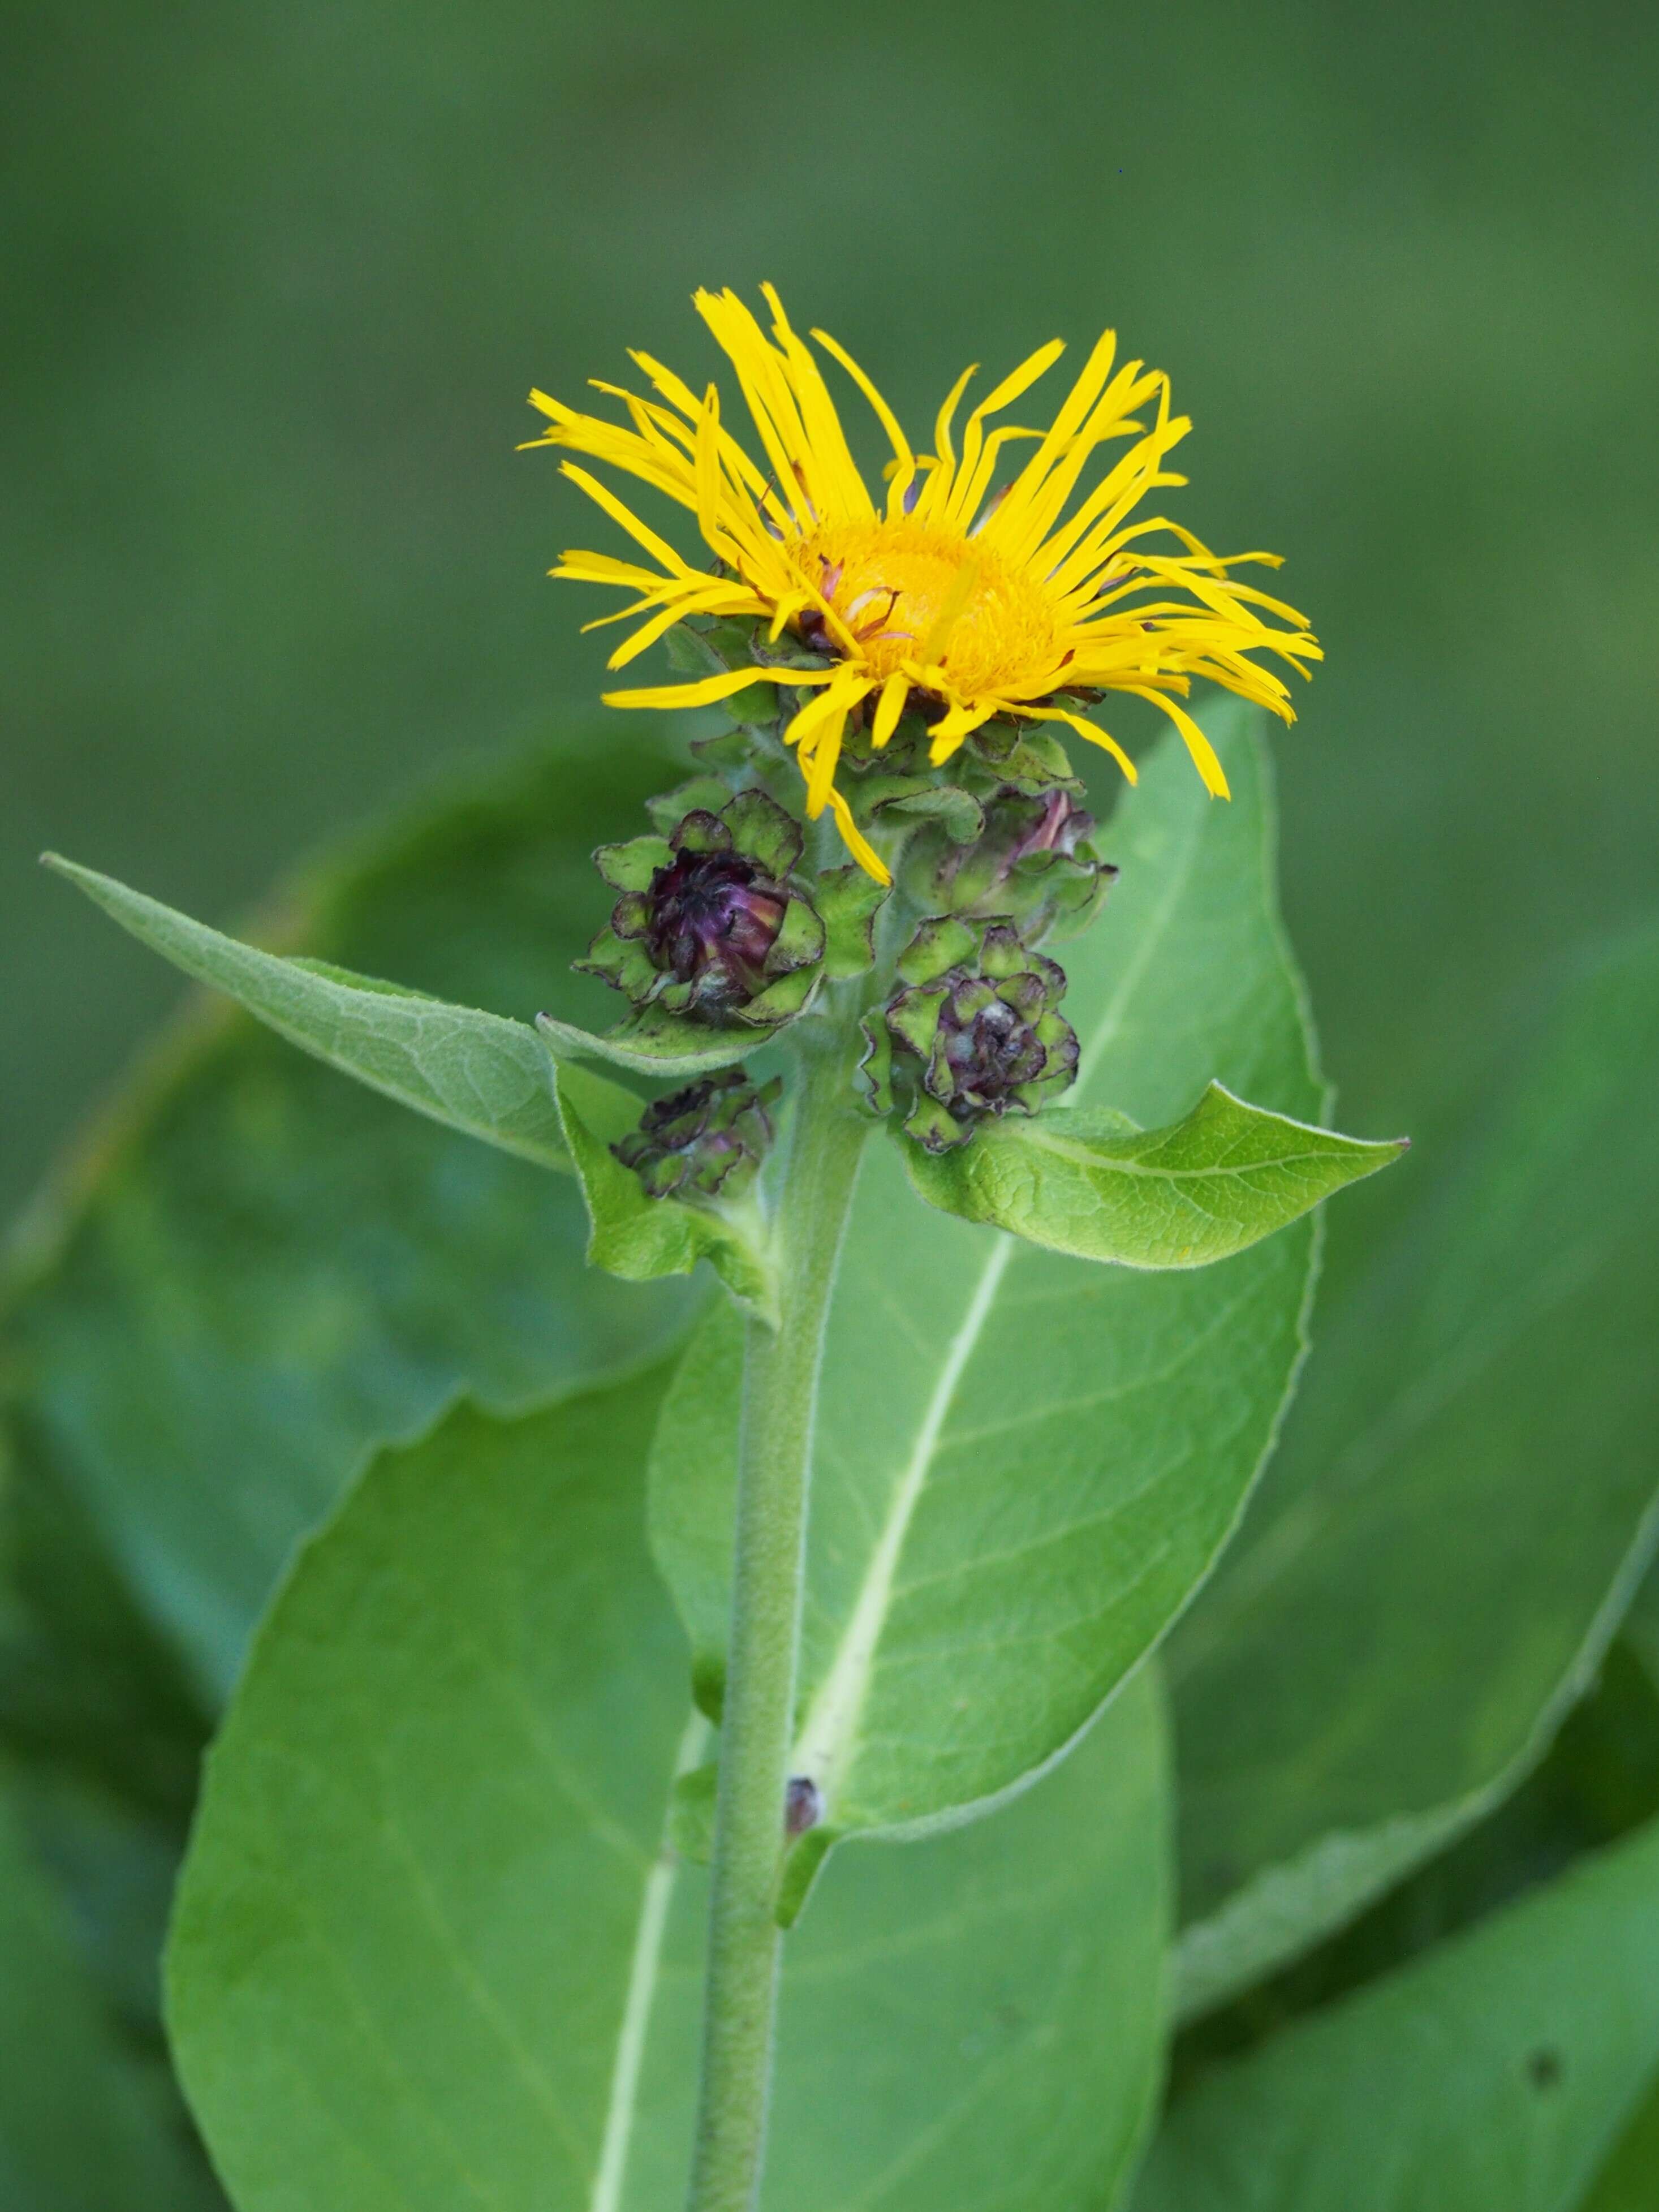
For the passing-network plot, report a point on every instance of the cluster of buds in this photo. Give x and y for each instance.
(976, 1030)
(705, 1141)
(716, 922)
(711, 918)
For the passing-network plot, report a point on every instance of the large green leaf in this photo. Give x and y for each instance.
(431, 1950)
(1026, 1463)
(1463, 1504)
(84, 2127)
(1495, 2073)
(259, 1269)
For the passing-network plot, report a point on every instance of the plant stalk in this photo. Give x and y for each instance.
(780, 1395)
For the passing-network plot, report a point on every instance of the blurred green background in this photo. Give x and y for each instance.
(277, 283)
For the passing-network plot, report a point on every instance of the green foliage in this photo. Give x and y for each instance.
(1630, 2180)
(1598, 1784)
(1497, 2072)
(1463, 1504)
(430, 1946)
(1008, 1511)
(1215, 1183)
(1642, 1625)
(257, 1271)
(431, 1876)
(83, 2126)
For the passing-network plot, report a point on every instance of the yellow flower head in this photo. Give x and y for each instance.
(969, 596)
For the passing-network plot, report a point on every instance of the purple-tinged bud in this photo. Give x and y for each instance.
(1033, 863)
(705, 1141)
(976, 1032)
(710, 921)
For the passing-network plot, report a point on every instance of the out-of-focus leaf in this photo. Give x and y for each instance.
(1629, 2182)
(1498, 2071)
(1463, 1504)
(83, 2127)
(257, 1270)
(1599, 1783)
(430, 1946)
(1213, 1184)
(87, 1684)
(1641, 1625)
(1026, 1463)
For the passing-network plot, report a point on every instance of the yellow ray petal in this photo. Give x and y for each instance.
(1203, 753)
(956, 725)
(601, 496)
(660, 623)
(891, 705)
(707, 690)
(856, 843)
(1086, 728)
(963, 502)
(936, 491)
(1072, 409)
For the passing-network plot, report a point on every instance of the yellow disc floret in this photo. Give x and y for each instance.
(910, 594)
(974, 590)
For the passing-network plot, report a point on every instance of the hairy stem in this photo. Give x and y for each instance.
(780, 1380)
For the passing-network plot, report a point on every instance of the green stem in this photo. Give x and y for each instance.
(780, 1396)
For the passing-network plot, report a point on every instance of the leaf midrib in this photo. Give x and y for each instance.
(644, 1974)
(1107, 1162)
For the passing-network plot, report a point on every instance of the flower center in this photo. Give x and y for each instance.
(908, 593)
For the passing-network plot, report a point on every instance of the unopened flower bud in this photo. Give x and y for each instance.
(710, 919)
(976, 1032)
(705, 1141)
(1033, 863)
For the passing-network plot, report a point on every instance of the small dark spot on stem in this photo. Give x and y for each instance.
(803, 1806)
